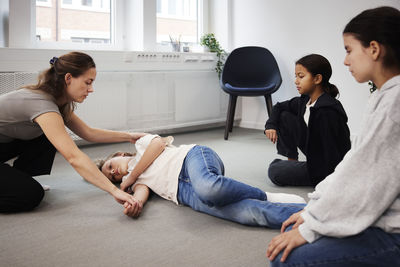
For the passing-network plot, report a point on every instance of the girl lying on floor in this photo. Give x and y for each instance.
(193, 175)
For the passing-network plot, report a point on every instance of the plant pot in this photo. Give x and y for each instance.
(176, 47)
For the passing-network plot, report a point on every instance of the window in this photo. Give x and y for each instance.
(158, 6)
(43, 2)
(171, 7)
(71, 21)
(86, 2)
(102, 24)
(177, 19)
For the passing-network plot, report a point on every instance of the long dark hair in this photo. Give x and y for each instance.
(52, 80)
(317, 64)
(382, 25)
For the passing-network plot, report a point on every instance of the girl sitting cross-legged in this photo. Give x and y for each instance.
(315, 122)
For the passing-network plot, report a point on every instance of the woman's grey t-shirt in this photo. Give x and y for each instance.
(18, 109)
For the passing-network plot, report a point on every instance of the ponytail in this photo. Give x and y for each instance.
(331, 89)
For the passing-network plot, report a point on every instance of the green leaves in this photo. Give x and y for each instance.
(209, 40)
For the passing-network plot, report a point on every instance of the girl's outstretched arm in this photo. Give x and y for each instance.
(141, 194)
(154, 149)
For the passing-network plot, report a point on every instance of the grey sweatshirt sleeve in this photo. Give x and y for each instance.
(363, 186)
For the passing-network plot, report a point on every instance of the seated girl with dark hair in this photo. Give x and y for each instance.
(315, 122)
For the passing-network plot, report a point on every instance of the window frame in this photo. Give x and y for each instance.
(202, 26)
(24, 28)
(176, 16)
(76, 45)
(76, 6)
(45, 3)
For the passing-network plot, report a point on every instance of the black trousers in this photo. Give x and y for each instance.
(292, 135)
(18, 190)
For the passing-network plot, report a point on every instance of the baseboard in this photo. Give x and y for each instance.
(252, 125)
(165, 131)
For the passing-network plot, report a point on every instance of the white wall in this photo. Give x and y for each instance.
(220, 15)
(292, 29)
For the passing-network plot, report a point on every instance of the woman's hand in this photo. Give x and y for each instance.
(271, 135)
(132, 207)
(136, 136)
(295, 219)
(126, 185)
(287, 241)
(133, 210)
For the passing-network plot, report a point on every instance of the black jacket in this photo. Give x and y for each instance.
(327, 135)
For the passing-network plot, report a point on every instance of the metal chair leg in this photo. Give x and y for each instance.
(230, 114)
(233, 114)
(268, 101)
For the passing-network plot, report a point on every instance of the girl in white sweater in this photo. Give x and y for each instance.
(353, 217)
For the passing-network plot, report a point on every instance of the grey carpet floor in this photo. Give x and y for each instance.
(79, 225)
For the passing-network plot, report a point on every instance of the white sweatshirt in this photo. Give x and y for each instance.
(364, 189)
(162, 176)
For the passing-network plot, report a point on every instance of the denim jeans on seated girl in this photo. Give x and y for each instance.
(372, 247)
(203, 187)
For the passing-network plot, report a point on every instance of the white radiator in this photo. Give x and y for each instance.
(10, 81)
(144, 101)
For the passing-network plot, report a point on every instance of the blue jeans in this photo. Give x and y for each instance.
(204, 188)
(373, 247)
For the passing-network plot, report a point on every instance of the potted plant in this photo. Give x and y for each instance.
(209, 41)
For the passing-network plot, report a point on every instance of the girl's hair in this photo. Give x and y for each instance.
(52, 80)
(317, 64)
(382, 25)
(100, 162)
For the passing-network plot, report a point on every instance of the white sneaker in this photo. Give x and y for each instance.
(284, 198)
(46, 187)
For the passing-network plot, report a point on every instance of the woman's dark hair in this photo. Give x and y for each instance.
(382, 25)
(317, 64)
(52, 80)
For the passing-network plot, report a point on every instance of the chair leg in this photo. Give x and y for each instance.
(229, 114)
(233, 114)
(268, 101)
